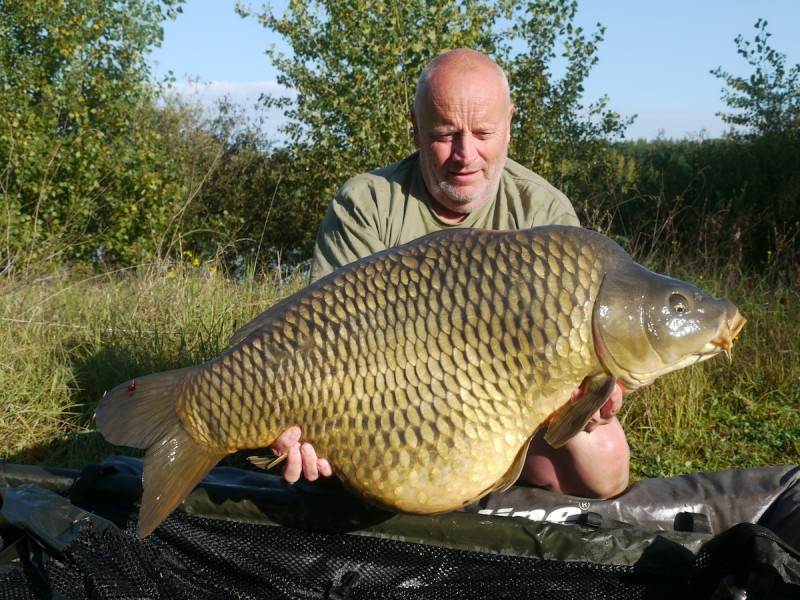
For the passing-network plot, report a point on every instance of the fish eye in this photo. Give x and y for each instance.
(678, 303)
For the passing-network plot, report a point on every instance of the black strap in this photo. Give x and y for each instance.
(84, 482)
(692, 522)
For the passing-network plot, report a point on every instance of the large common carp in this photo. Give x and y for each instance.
(422, 372)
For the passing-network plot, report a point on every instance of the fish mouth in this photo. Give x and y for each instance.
(723, 341)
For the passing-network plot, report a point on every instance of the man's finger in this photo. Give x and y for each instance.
(294, 465)
(287, 440)
(613, 404)
(324, 467)
(309, 462)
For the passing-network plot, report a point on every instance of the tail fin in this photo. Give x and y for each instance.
(141, 413)
(171, 470)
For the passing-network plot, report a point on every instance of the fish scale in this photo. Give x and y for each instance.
(421, 373)
(474, 451)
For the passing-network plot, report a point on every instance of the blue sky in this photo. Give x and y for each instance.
(654, 61)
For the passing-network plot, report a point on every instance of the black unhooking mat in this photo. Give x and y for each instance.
(70, 534)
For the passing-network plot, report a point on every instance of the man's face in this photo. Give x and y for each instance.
(462, 131)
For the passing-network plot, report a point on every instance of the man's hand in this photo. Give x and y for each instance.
(301, 459)
(607, 412)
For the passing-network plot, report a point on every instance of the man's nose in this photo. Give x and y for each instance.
(464, 147)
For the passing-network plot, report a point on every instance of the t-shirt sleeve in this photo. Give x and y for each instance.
(561, 212)
(349, 230)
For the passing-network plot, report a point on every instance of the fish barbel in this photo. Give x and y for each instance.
(422, 372)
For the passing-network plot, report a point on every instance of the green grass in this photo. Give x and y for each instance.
(68, 338)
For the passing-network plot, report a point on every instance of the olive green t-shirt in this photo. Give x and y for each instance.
(391, 206)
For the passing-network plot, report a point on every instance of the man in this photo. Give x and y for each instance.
(461, 177)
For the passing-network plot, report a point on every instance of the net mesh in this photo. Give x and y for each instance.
(193, 557)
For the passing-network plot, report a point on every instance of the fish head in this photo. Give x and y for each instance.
(646, 325)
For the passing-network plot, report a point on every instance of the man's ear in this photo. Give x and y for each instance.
(415, 127)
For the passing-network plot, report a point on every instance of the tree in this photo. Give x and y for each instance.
(354, 66)
(768, 101)
(553, 132)
(244, 192)
(353, 71)
(82, 174)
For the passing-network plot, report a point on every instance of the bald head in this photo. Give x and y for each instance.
(454, 64)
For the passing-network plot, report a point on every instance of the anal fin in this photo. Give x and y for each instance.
(573, 417)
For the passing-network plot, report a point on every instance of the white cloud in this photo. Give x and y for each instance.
(242, 93)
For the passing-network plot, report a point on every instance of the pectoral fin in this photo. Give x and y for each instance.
(573, 417)
(267, 462)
